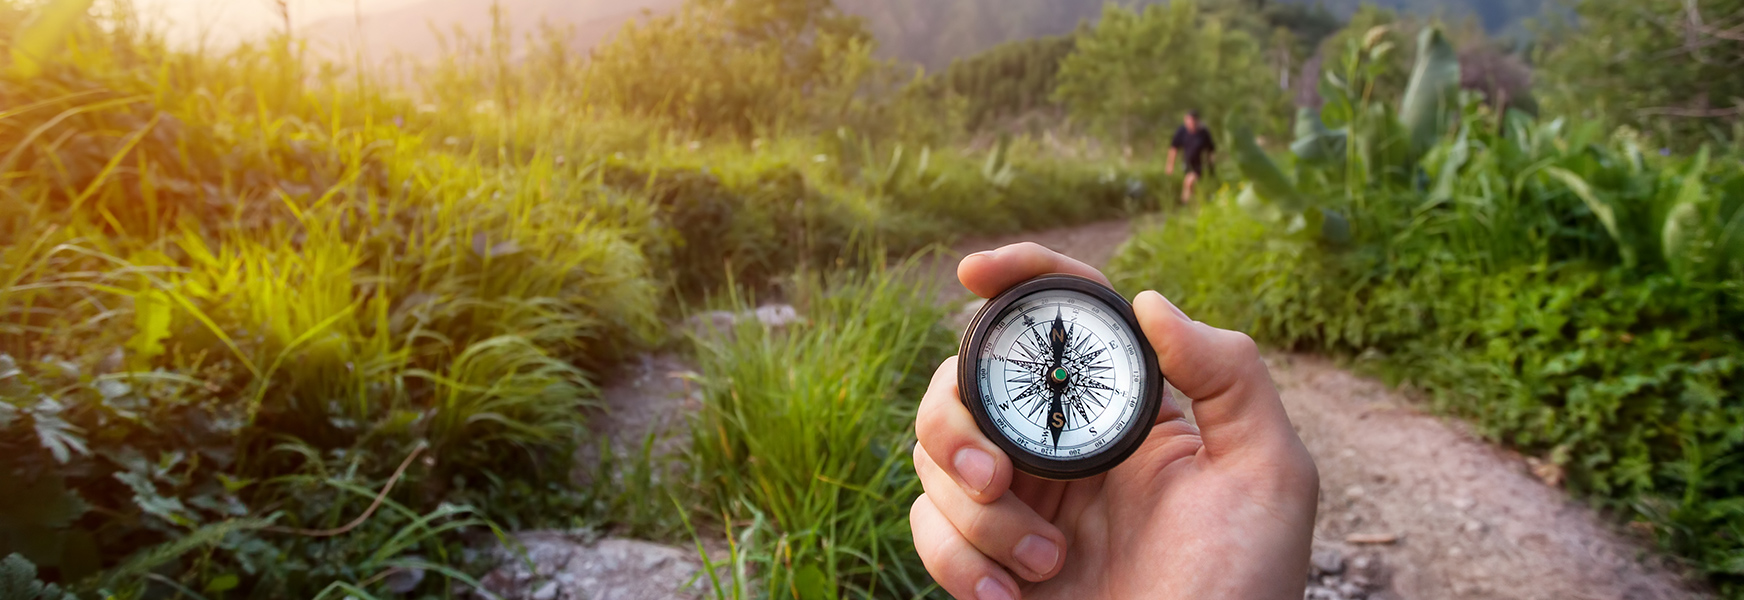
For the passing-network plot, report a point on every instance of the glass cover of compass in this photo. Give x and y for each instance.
(1059, 375)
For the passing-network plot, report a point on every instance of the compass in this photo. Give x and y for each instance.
(1059, 375)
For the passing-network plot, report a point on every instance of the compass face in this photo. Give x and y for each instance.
(1063, 379)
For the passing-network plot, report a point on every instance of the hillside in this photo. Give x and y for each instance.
(411, 30)
(928, 32)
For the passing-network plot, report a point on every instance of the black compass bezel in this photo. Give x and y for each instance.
(1048, 468)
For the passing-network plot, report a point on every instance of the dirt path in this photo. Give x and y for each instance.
(1094, 243)
(1471, 520)
(1468, 520)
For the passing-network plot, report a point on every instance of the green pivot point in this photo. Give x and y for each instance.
(1059, 374)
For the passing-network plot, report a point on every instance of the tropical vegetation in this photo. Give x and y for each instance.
(1563, 286)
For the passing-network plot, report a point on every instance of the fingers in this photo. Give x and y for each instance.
(991, 272)
(1234, 402)
(952, 561)
(1006, 530)
(947, 430)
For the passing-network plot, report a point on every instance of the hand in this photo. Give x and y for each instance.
(1221, 510)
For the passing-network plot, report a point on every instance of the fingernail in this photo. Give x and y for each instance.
(990, 589)
(1037, 552)
(986, 253)
(975, 467)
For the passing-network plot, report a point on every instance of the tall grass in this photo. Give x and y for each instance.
(805, 431)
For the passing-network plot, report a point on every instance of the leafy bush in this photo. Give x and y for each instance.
(1629, 383)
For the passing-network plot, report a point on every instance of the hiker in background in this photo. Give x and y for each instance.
(1194, 140)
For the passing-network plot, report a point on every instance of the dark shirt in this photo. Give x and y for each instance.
(1195, 144)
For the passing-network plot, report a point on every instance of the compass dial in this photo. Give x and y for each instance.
(1062, 377)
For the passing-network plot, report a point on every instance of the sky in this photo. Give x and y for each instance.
(229, 21)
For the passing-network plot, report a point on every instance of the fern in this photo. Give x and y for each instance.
(18, 582)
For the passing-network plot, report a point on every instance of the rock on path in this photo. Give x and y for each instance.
(571, 566)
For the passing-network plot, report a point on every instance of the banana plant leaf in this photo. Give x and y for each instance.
(1445, 163)
(1269, 182)
(1250, 201)
(1603, 210)
(1432, 97)
(1314, 142)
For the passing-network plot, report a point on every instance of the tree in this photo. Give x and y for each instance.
(735, 66)
(1007, 81)
(1671, 67)
(1134, 74)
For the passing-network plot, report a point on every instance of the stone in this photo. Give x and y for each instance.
(578, 564)
(1463, 504)
(776, 316)
(1328, 561)
(712, 323)
(403, 581)
(1354, 492)
(721, 323)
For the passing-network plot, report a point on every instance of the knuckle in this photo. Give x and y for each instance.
(929, 423)
(981, 528)
(1242, 346)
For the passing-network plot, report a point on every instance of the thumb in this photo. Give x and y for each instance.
(1234, 401)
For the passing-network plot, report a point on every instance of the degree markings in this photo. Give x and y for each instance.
(1094, 364)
